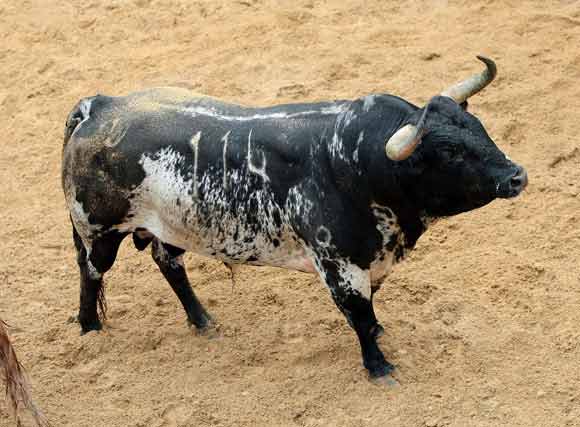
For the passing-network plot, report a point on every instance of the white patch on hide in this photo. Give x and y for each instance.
(352, 279)
(343, 120)
(368, 102)
(355, 279)
(85, 107)
(300, 205)
(93, 272)
(198, 110)
(163, 198)
(195, 145)
(389, 228)
(116, 133)
(360, 139)
(261, 171)
(80, 220)
(225, 140)
(163, 205)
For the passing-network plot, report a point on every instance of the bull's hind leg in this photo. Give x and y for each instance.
(170, 262)
(93, 263)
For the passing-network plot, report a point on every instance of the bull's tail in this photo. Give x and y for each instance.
(17, 387)
(78, 115)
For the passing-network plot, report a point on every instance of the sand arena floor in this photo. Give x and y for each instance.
(483, 318)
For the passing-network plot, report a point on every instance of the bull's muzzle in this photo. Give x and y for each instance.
(514, 184)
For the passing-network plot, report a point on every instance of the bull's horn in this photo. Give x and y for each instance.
(404, 141)
(461, 91)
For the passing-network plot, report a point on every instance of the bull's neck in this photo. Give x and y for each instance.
(344, 141)
(361, 169)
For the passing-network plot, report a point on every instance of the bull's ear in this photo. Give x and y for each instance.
(464, 105)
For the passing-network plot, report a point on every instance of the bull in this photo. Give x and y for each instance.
(343, 189)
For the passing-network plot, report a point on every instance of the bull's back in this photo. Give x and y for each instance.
(187, 165)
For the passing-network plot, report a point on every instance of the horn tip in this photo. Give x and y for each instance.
(489, 63)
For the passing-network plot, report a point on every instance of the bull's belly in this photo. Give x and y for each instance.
(229, 244)
(284, 251)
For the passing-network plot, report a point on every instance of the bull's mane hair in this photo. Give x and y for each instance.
(17, 385)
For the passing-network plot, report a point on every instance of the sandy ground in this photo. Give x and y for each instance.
(483, 318)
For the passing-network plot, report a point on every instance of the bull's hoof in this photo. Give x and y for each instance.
(380, 369)
(200, 321)
(210, 331)
(377, 331)
(385, 381)
(90, 325)
(204, 325)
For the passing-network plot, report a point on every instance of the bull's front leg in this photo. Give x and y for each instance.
(350, 287)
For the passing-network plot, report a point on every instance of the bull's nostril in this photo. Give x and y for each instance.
(520, 180)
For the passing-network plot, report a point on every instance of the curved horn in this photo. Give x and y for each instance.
(404, 141)
(461, 91)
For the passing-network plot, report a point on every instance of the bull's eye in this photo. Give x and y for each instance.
(450, 153)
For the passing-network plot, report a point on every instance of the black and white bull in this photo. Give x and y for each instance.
(303, 186)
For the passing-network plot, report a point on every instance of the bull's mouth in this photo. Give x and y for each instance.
(514, 185)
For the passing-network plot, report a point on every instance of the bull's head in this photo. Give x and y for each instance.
(458, 166)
